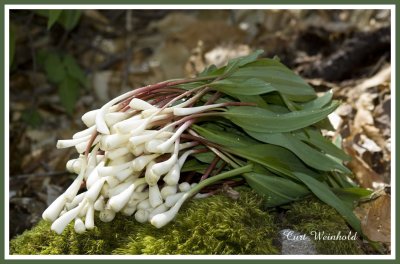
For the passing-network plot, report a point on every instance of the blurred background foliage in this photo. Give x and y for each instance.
(64, 63)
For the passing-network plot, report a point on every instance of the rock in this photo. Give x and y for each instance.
(295, 243)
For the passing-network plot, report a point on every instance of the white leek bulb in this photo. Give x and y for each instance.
(94, 176)
(172, 177)
(111, 181)
(89, 118)
(140, 162)
(99, 204)
(77, 199)
(145, 204)
(139, 104)
(85, 133)
(112, 170)
(79, 226)
(162, 219)
(141, 215)
(128, 211)
(94, 190)
(100, 122)
(116, 153)
(162, 168)
(178, 111)
(109, 142)
(151, 146)
(168, 190)
(115, 117)
(150, 176)
(54, 210)
(117, 202)
(73, 189)
(89, 218)
(59, 225)
(67, 143)
(107, 215)
(155, 198)
(172, 199)
(184, 187)
(160, 209)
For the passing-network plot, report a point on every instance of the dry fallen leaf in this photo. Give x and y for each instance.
(376, 223)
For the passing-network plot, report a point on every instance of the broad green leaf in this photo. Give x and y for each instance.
(307, 154)
(325, 194)
(206, 157)
(342, 180)
(275, 190)
(74, 70)
(209, 71)
(69, 18)
(274, 158)
(239, 86)
(318, 102)
(253, 99)
(223, 138)
(234, 64)
(69, 93)
(12, 44)
(54, 14)
(350, 196)
(261, 120)
(54, 68)
(279, 76)
(315, 138)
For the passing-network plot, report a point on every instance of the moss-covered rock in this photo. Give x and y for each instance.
(215, 225)
(313, 215)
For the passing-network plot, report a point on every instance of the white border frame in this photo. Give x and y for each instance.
(7, 255)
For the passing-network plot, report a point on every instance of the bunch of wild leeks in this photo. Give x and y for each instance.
(251, 122)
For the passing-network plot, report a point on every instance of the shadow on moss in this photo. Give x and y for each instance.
(216, 225)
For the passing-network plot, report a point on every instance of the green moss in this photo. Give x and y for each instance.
(216, 225)
(313, 215)
(102, 240)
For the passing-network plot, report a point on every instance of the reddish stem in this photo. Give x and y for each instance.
(89, 145)
(210, 168)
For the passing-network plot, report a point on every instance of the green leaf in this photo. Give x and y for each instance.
(279, 77)
(318, 102)
(307, 154)
(74, 70)
(241, 86)
(208, 71)
(352, 195)
(275, 190)
(54, 14)
(12, 44)
(315, 138)
(206, 157)
(274, 158)
(234, 64)
(253, 99)
(54, 68)
(325, 194)
(223, 138)
(69, 93)
(69, 18)
(261, 120)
